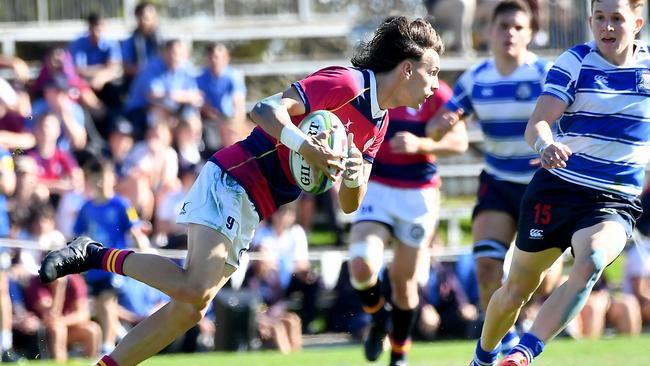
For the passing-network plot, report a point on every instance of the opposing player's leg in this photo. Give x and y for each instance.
(526, 273)
(366, 258)
(205, 273)
(594, 248)
(493, 231)
(405, 298)
(494, 224)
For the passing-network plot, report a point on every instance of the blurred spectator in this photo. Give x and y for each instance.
(98, 60)
(30, 192)
(637, 276)
(63, 307)
(455, 17)
(40, 228)
(138, 301)
(167, 230)
(56, 100)
(13, 132)
(144, 43)
(28, 331)
(346, 314)
(448, 291)
(22, 103)
(602, 307)
(57, 169)
(165, 89)
(58, 61)
(70, 203)
(187, 145)
(109, 218)
(276, 325)
(224, 91)
(636, 280)
(152, 170)
(120, 142)
(7, 186)
(17, 65)
(286, 245)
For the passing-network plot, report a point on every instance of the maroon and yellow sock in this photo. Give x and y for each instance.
(372, 299)
(399, 350)
(113, 260)
(400, 336)
(106, 361)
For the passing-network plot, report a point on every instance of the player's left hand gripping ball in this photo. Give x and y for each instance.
(353, 175)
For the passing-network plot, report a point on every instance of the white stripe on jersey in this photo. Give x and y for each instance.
(615, 151)
(606, 121)
(502, 105)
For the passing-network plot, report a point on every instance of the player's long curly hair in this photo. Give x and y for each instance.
(397, 39)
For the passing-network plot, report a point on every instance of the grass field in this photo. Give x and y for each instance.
(562, 352)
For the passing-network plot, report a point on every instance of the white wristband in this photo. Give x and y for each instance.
(540, 145)
(356, 182)
(292, 137)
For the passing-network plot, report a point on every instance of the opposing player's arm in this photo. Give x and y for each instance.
(540, 136)
(443, 122)
(273, 114)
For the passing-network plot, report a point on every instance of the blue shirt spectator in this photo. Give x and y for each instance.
(158, 79)
(144, 43)
(56, 100)
(108, 222)
(86, 53)
(220, 90)
(8, 177)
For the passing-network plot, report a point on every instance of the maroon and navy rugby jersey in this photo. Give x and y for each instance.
(261, 164)
(410, 170)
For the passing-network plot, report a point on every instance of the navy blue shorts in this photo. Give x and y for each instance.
(498, 195)
(552, 210)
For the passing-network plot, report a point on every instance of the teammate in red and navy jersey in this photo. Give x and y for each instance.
(401, 203)
(245, 183)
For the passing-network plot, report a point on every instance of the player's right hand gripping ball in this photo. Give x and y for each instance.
(309, 179)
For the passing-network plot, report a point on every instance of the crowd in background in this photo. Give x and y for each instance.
(106, 141)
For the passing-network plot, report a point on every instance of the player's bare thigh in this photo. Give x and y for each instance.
(206, 259)
(373, 236)
(494, 225)
(371, 232)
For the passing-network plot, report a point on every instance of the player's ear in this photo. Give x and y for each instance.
(407, 68)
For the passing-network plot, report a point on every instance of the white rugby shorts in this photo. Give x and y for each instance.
(216, 200)
(412, 213)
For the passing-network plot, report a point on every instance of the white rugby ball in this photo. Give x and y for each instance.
(309, 179)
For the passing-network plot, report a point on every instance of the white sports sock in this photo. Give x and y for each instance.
(6, 339)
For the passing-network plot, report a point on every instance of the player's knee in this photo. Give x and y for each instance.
(513, 296)
(187, 314)
(489, 272)
(197, 295)
(364, 265)
(590, 268)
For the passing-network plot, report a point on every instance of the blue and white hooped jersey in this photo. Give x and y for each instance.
(502, 105)
(607, 121)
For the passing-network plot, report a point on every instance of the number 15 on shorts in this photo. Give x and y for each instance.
(542, 213)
